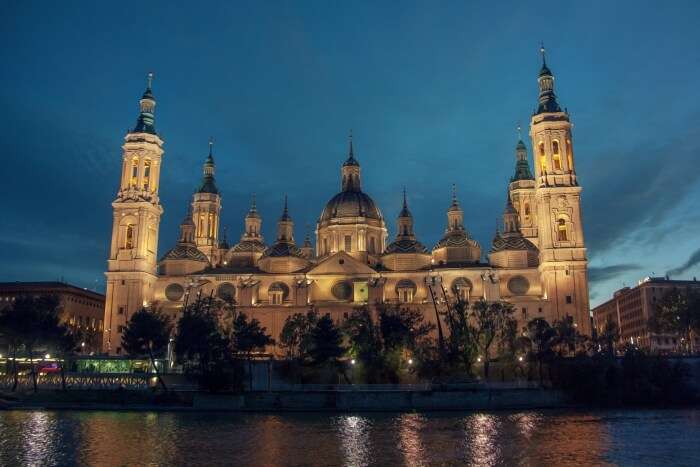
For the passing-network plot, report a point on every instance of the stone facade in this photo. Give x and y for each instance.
(537, 261)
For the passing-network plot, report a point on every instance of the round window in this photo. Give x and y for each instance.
(342, 290)
(174, 292)
(226, 292)
(518, 285)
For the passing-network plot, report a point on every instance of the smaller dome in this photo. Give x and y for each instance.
(405, 246)
(186, 252)
(456, 238)
(249, 246)
(512, 243)
(281, 249)
(208, 186)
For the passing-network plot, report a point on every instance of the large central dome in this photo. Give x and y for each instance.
(350, 204)
(351, 221)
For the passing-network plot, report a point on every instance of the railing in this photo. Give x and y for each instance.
(81, 381)
(403, 387)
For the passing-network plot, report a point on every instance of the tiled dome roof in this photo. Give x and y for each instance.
(350, 204)
(517, 242)
(249, 246)
(281, 249)
(456, 238)
(187, 252)
(405, 246)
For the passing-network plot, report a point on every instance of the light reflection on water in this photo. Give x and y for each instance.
(500, 438)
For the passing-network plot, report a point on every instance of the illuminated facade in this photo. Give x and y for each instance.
(537, 261)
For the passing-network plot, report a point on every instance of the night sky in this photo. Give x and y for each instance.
(433, 92)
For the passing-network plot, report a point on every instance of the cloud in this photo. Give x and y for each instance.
(692, 261)
(638, 189)
(597, 275)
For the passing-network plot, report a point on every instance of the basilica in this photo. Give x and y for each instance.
(536, 261)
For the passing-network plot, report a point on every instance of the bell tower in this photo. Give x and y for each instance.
(136, 211)
(563, 264)
(206, 208)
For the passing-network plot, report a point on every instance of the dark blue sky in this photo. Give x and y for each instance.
(432, 90)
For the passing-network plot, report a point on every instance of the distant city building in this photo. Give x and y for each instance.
(537, 261)
(631, 308)
(80, 308)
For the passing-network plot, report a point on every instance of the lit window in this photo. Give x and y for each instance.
(134, 172)
(561, 231)
(146, 174)
(543, 158)
(556, 157)
(129, 236)
(570, 154)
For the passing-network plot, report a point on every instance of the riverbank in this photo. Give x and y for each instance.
(365, 400)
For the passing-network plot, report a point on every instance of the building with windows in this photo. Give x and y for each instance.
(81, 308)
(631, 308)
(537, 260)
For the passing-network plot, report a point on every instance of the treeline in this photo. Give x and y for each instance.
(34, 324)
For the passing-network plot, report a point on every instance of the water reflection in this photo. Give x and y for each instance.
(354, 438)
(411, 445)
(519, 438)
(482, 441)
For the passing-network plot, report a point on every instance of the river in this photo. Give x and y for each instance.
(62, 438)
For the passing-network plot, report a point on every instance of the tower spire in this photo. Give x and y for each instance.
(208, 184)
(547, 100)
(404, 210)
(146, 120)
(351, 170)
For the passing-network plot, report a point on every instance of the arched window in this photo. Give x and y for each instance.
(543, 158)
(406, 289)
(462, 288)
(211, 224)
(151, 241)
(556, 156)
(570, 154)
(348, 243)
(146, 174)
(325, 246)
(200, 226)
(129, 236)
(134, 172)
(562, 234)
(278, 292)
(372, 246)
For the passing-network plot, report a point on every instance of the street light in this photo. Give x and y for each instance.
(352, 362)
(47, 356)
(478, 359)
(520, 359)
(410, 361)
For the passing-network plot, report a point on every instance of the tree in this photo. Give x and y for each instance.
(608, 338)
(678, 312)
(402, 327)
(540, 338)
(567, 339)
(490, 322)
(248, 337)
(365, 342)
(325, 342)
(66, 341)
(30, 322)
(461, 343)
(200, 344)
(295, 335)
(148, 333)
